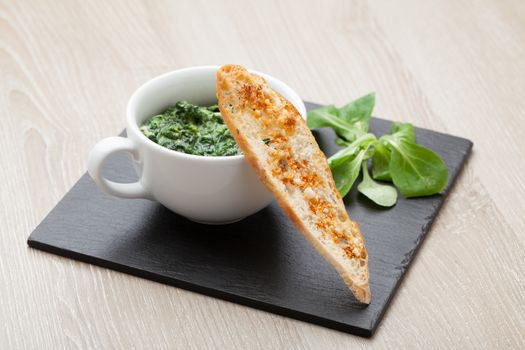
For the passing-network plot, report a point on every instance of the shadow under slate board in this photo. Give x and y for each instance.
(261, 261)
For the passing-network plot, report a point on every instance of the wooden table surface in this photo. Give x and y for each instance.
(68, 67)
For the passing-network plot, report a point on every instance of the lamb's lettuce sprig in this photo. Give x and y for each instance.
(415, 170)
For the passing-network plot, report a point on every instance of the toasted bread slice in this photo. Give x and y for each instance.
(277, 142)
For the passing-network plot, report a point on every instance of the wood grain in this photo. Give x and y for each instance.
(68, 68)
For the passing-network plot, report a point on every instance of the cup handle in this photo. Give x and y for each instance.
(98, 155)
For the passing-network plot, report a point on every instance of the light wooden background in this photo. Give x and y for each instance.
(67, 69)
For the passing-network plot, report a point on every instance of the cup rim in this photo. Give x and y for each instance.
(132, 106)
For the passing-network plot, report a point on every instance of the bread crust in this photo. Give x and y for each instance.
(278, 144)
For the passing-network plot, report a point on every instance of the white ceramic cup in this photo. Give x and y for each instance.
(212, 190)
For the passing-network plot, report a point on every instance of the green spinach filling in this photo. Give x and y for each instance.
(191, 129)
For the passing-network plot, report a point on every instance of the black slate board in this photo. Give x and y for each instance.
(262, 261)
